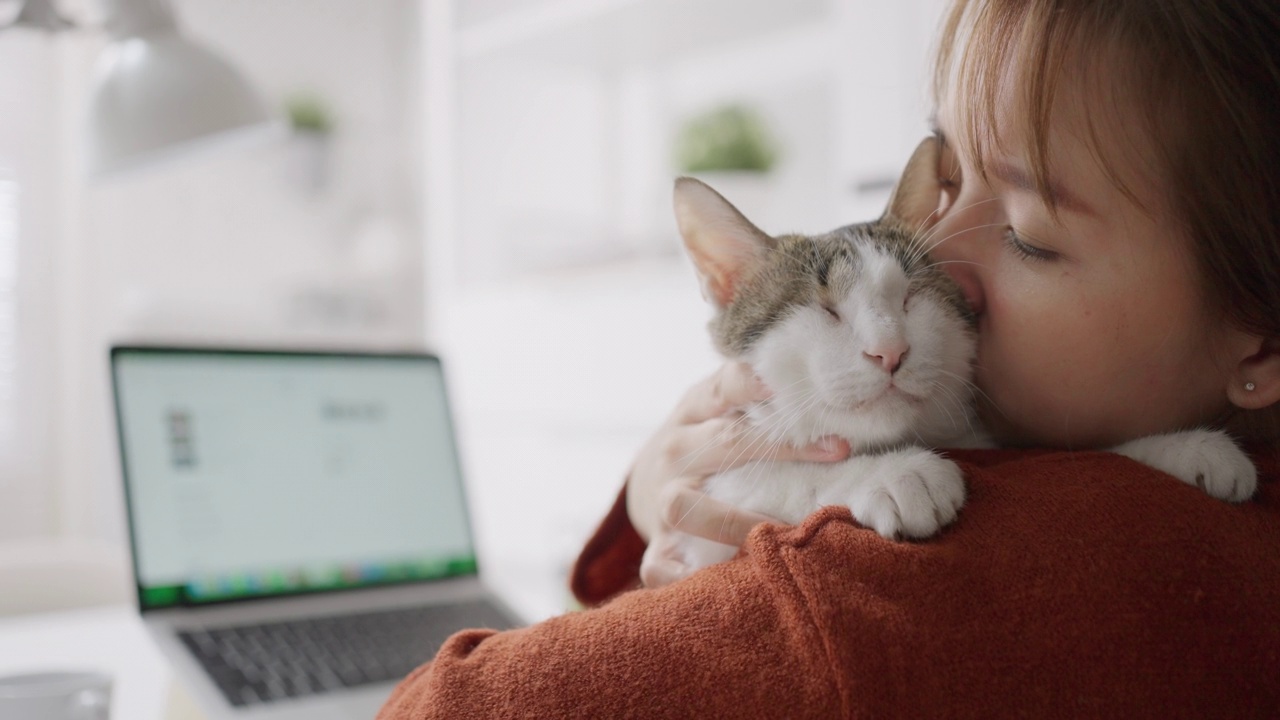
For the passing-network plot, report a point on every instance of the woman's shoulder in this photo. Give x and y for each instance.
(1064, 571)
(1045, 501)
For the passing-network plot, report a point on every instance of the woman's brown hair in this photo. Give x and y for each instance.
(1197, 80)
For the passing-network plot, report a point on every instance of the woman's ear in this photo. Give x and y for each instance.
(1255, 380)
(725, 247)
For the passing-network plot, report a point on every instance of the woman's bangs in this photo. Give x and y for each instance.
(993, 53)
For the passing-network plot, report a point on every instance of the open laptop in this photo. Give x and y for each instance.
(299, 530)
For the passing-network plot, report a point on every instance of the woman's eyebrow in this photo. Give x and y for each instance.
(1059, 196)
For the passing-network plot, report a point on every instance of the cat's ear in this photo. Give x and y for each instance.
(725, 247)
(916, 196)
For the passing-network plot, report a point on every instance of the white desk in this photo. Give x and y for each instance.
(110, 640)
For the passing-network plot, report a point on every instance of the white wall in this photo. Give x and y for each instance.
(568, 318)
(572, 319)
(29, 227)
(237, 247)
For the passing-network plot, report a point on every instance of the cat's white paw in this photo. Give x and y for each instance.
(1207, 459)
(911, 495)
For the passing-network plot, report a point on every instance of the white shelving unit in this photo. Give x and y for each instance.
(555, 282)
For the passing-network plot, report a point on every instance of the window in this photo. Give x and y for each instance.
(28, 170)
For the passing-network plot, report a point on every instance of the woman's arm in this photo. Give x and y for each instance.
(733, 641)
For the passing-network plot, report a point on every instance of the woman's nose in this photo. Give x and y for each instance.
(958, 251)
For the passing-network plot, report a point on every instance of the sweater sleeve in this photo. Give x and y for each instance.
(728, 642)
(610, 562)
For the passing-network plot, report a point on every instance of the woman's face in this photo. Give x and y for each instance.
(1092, 329)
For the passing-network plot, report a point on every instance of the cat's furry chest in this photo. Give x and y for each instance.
(786, 490)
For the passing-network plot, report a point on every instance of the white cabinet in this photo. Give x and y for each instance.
(564, 111)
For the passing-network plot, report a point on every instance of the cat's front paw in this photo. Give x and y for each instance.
(1207, 459)
(911, 495)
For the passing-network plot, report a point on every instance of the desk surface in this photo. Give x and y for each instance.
(109, 639)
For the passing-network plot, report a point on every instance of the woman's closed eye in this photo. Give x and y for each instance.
(1026, 250)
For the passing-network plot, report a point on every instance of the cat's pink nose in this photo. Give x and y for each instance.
(888, 355)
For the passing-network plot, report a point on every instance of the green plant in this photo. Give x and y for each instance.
(308, 113)
(732, 137)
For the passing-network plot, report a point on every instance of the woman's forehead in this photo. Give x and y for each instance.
(1083, 142)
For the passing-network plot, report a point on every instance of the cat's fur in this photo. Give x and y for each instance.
(861, 337)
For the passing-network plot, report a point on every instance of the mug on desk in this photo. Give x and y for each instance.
(55, 696)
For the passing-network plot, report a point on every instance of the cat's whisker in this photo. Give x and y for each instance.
(756, 470)
(920, 226)
(938, 400)
(921, 247)
(935, 228)
(694, 454)
(793, 416)
(937, 244)
(762, 435)
(940, 263)
(777, 427)
(963, 405)
(977, 390)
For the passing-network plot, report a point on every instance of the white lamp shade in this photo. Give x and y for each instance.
(157, 93)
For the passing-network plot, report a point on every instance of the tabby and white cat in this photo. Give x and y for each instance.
(861, 337)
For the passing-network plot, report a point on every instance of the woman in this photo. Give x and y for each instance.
(1110, 204)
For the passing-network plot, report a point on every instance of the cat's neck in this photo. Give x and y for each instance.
(867, 433)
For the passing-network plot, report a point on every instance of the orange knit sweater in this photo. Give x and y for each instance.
(1072, 585)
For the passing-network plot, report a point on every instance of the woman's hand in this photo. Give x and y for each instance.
(705, 436)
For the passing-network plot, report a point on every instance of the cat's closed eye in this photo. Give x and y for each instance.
(831, 311)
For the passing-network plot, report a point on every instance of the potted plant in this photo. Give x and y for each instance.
(731, 149)
(312, 127)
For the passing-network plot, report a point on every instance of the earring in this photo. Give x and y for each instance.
(1249, 386)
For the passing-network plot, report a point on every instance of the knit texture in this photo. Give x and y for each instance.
(1072, 585)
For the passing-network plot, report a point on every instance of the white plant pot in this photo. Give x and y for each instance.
(753, 193)
(309, 160)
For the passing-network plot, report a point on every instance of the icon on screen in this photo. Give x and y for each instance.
(182, 449)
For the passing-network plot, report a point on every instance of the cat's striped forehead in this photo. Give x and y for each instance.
(854, 256)
(872, 258)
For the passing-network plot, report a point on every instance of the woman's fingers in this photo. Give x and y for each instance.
(662, 565)
(714, 446)
(707, 435)
(733, 386)
(693, 511)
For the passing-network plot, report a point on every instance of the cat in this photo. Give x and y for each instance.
(861, 336)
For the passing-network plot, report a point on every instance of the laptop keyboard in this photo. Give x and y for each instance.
(261, 663)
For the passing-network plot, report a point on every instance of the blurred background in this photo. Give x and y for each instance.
(487, 179)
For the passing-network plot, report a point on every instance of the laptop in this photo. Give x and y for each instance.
(298, 523)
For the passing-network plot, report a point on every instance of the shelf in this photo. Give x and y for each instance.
(606, 34)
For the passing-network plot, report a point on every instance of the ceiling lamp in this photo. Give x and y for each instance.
(157, 95)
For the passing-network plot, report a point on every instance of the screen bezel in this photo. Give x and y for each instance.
(118, 351)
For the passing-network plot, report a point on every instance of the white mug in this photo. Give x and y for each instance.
(55, 696)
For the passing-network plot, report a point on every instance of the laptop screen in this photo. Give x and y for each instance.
(262, 473)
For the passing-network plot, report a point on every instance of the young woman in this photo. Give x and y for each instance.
(1109, 200)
